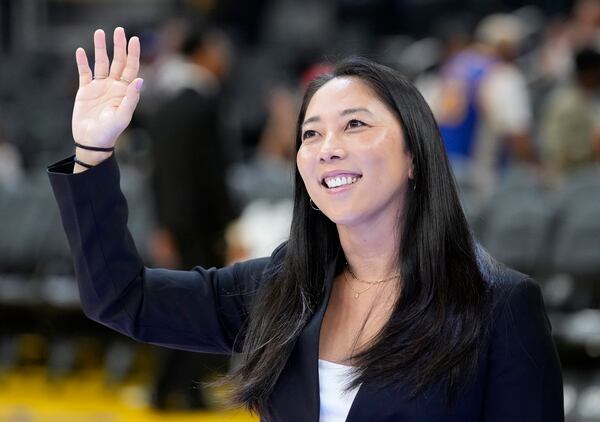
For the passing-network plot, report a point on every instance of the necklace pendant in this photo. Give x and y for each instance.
(356, 295)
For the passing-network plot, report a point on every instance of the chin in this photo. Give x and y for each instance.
(342, 217)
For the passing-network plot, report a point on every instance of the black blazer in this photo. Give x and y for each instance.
(518, 379)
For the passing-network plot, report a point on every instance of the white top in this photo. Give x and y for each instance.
(335, 402)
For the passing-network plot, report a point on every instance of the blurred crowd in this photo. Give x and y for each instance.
(208, 162)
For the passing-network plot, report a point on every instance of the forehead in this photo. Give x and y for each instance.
(341, 93)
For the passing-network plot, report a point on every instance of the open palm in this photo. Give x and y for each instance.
(106, 100)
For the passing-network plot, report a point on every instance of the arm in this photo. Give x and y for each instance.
(199, 310)
(524, 377)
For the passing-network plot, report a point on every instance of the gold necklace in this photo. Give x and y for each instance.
(371, 282)
(356, 292)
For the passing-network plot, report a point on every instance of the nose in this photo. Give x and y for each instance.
(331, 149)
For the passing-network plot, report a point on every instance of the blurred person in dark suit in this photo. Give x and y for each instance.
(189, 168)
(192, 201)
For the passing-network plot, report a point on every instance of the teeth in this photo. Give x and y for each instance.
(334, 182)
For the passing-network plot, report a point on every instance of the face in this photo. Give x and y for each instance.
(353, 158)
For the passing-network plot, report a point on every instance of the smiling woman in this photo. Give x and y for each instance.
(353, 158)
(381, 306)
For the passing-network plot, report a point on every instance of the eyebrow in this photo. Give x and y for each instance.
(342, 113)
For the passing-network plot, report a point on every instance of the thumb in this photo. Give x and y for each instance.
(129, 101)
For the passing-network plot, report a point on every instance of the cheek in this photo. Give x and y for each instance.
(381, 156)
(389, 164)
(304, 164)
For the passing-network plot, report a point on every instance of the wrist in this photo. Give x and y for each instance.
(92, 158)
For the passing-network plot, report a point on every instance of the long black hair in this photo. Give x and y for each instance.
(439, 322)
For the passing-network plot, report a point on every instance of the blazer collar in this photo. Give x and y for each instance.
(296, 395)
(307, 367)
(308, 348)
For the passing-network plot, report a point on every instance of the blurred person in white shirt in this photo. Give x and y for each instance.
(483, 104)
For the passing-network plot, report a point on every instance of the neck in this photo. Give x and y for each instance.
(372, 252)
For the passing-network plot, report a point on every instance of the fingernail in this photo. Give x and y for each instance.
(139, 83)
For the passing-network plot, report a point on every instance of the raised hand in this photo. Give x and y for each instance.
(106, 99)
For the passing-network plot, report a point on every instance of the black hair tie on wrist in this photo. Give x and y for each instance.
(90, 148)
(81, 163)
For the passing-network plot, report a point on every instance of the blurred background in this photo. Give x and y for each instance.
(207, 168)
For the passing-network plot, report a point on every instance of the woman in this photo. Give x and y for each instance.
(380, 306)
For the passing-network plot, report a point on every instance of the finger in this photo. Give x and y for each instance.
(85, 74)
(120, 54)
(133, 59)
(129, 102)
(101, 58)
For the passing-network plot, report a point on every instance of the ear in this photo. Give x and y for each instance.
(411, 170)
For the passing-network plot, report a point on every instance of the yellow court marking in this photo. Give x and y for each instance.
(30, 396)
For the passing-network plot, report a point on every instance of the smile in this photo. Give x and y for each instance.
(337, 181)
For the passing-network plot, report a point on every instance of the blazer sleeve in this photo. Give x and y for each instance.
(199, 310)
(524, 378)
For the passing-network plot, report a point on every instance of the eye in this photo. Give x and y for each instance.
(355, 124)
(308, 134)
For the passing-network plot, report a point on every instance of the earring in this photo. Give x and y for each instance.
(313, 206)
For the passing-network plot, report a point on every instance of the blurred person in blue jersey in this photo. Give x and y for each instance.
(483, 106)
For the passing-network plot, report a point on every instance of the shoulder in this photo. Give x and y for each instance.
(523, 366)
(504, 83)
(517, 308)
(260, 269)
(497, 276)
(509, 289)
(276, 259)
(505, 284)
(504, 74)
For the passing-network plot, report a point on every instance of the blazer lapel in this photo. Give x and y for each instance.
(296, 394)
(308, 347)
(300, 380)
